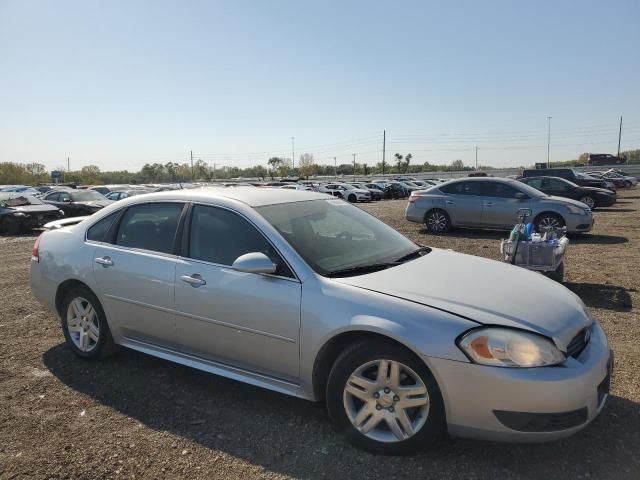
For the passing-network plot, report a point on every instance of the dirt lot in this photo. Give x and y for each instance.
(137, 416)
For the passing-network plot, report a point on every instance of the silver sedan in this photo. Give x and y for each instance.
(310, 296)
(493, 203)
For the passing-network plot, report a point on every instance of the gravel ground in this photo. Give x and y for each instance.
(135, 416)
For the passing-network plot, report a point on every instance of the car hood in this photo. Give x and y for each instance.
(564, 200)
(95, 203)
(598, 190)
(485, 291)
(34, 208)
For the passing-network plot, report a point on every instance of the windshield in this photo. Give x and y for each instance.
(333, 235)
(86, 196)
(529, 190)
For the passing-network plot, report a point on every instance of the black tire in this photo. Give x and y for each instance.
(437, 221)
(352, 198)
(358, 354)
(589, 201)
(546, 219)
(105, 345)
(627, 184)
(9, 225)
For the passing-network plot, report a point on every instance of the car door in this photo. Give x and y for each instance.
(250, 321)
(134, 269)
(54, 199)
(559, 188)
(463, 203)
(500, 204)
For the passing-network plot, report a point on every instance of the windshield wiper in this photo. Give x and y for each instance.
(373, 267)
(419, 252)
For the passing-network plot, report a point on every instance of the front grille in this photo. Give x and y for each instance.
(579, 342)
(541, 422)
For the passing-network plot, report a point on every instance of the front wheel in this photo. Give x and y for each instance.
(589, 201)
(9, 226)
(352, 198)
(549, 221)
(384, 399)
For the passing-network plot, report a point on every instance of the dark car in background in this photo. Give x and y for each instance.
(568, 174)
(75, 203)
(559, 187)
(376, 194)
(19, 213)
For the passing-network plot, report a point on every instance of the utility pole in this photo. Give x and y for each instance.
(335, 167)
(384, 148)
(293, 153)
(191, 155)
(214, 171)
(68, 165)
(549, 144)
(476, 157)
(354, 165)
(619, 136)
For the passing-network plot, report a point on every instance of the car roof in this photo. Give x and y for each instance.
(252, 196)
(482, 179)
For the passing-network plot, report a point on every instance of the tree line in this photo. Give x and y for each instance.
(306, 167)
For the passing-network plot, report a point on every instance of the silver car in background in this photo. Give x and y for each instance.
(310, 296)
(493, 203)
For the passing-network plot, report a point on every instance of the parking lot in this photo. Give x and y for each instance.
(138, 416)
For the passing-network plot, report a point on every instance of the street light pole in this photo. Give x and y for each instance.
(293, 153)
(549, 144)
(335, 167)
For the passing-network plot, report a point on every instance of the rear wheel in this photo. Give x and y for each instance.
(437, 221)
(384, 399)
(548, 221)
(352, 198)
(627, 184)
(589, 201)
(85, 326)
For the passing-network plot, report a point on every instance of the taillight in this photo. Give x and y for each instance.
(35, 253)
(413, 198)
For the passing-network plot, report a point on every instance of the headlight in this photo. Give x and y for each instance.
(61, 212)
(504, 347)
(577, 210)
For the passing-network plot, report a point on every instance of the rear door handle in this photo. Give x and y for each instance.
(449, 202)
(104, 261)
(488, 204)
(194, 280)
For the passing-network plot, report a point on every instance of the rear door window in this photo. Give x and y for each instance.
(498, 190)
(462, 188)
(98, 231)
(150, 226)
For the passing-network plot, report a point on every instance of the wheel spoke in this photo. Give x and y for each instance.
(363, 415)
(383, 372)
(93, 332)
(371, 422)
(413, 402)
(394, 375)
(404, 421)
(83, 341)
(356, 391)
(359, 381)
(89, 312)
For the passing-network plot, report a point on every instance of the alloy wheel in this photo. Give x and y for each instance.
(549, 223)
(437, 222)
(386, 401)
(588, 201)
(83, 324)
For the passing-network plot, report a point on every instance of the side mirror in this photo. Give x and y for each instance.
(67, 200)
(521, 196)
(254, 262)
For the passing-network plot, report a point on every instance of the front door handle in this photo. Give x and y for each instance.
(449, 202)
(488, 204)
(104, 261)
(194, 280)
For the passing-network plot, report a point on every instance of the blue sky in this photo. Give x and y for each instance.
(121, 83)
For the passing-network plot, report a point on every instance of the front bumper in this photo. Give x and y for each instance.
(540, 399)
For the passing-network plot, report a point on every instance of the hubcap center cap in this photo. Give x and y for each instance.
(386, 399)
